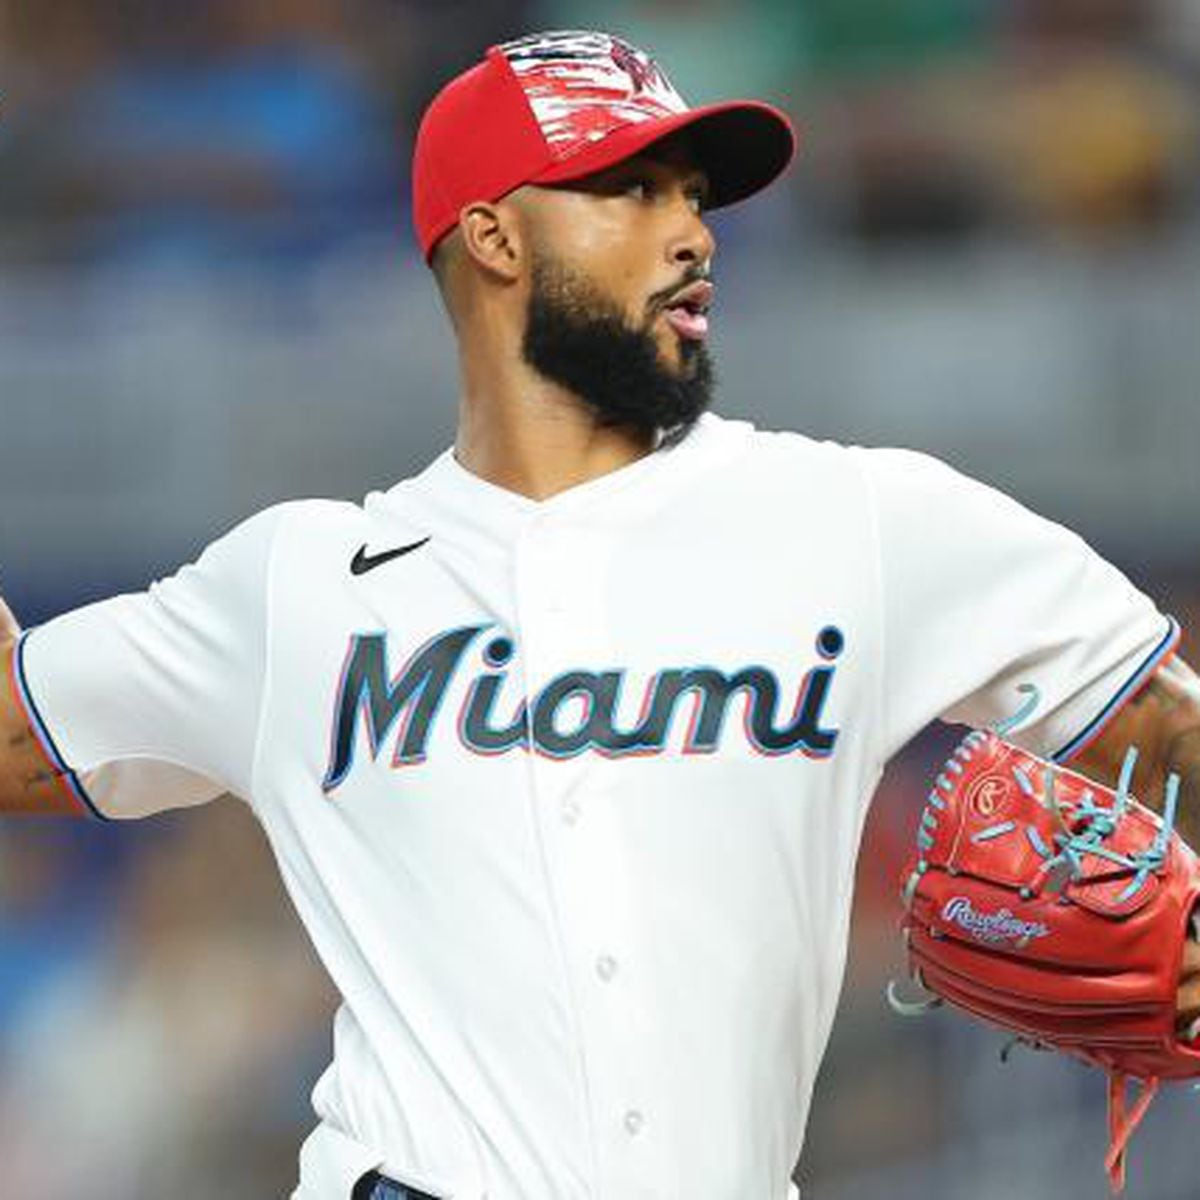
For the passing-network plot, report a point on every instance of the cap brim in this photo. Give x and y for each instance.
(741, 145)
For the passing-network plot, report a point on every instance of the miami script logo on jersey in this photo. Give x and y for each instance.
(574, 713)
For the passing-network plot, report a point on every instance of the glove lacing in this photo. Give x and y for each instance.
(1085, 828)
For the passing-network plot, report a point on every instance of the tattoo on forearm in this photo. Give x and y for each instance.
(40, 776)
(1160, 693)
(40, 779)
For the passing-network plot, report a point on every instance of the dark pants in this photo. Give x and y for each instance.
(378, 1187)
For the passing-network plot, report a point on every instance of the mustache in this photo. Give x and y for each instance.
(697, 274)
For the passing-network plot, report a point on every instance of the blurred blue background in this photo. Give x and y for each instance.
(210, 300)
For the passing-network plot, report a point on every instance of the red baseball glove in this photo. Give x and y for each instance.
(1057, 909)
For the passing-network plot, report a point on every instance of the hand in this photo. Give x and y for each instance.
(1187, 1003)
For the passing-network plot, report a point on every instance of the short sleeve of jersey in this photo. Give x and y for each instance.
(981, 596)
(151, 701)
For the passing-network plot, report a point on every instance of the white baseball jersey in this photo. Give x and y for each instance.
(568, 792)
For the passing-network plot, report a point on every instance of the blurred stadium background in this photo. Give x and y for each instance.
(209, 301)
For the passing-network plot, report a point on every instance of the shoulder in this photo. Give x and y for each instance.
(911, 485)
(886, 484)
(762, 444)
(787, 456)
(303, 537)
(313, 519)
(881, 471)
(257, 535)
(887, 463)
(293, 536)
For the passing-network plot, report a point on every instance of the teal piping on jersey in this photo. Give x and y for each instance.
(69, 778)
(1096, 726)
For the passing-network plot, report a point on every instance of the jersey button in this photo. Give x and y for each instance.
(606, 967)
(634, 1122)
(569, 812)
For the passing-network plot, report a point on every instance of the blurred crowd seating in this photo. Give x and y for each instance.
(158, 1000)
(200, 134)
(206, 133)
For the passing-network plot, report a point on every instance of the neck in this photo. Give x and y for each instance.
(526, 434)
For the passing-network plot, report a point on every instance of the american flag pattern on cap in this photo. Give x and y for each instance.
(582, 86)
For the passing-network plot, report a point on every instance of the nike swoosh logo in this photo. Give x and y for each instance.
(363, 562)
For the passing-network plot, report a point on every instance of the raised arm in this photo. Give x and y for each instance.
(28, 781)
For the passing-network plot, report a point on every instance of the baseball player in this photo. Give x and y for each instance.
(564, 745)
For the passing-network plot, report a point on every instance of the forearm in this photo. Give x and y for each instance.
(1163, 722)
(29, 782)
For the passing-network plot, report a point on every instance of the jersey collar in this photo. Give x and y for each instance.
(446, 480)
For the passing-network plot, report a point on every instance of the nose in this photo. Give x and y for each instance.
(691, 242)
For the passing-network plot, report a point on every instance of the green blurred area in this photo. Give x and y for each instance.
(863, 35)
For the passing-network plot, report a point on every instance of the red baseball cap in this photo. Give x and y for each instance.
(559, 106)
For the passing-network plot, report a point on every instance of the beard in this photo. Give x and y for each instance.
(580, 339)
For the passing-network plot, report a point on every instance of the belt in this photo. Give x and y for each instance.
(374, 1186)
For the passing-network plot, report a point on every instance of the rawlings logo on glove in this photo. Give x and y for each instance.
(1057, 909)
(992, 927)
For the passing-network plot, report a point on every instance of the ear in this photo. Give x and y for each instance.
(492, 236)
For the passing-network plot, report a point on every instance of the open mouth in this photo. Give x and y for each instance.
(687, 311)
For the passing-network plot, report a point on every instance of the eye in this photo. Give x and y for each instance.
(699, 191)
(640, 187)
